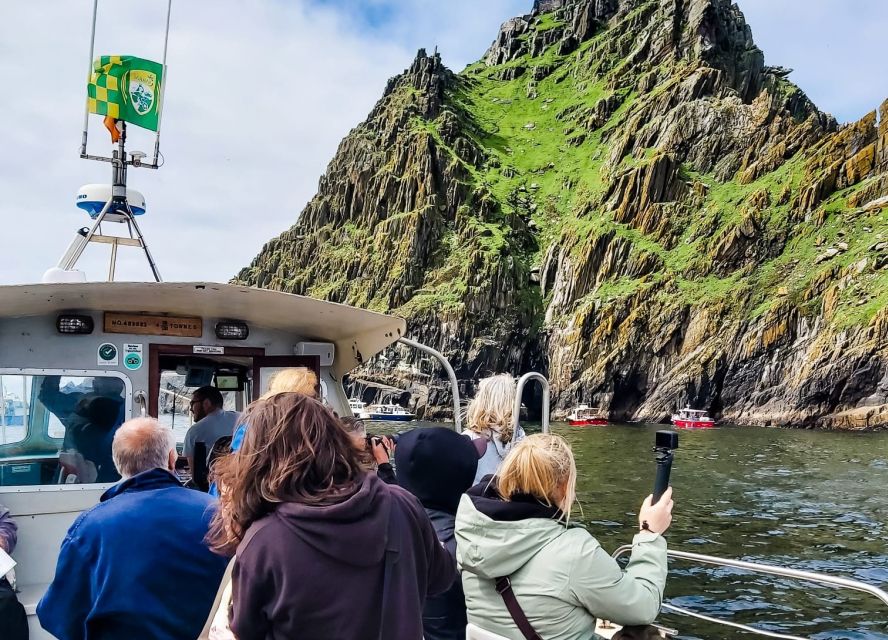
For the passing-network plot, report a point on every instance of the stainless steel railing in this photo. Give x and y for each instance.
(519, 388)
(451, 374)
(766, 569)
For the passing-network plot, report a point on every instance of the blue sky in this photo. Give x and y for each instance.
(261, 92)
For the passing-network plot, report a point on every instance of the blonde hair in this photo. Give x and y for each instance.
(543, 466)
(295, 380)
(491, 408)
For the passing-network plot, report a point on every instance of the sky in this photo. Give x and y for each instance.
(259, 95)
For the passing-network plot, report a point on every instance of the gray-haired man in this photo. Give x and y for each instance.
(136, 566)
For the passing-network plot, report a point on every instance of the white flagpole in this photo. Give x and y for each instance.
(92, 44)
(163, 83)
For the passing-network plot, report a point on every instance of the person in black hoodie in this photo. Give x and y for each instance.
(438, 465)
(92, 435)
(324, 549)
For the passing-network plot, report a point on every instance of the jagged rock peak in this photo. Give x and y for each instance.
(545, 6)
(428, 76)
(713, 32)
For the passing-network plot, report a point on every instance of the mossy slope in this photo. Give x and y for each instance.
(621, 194)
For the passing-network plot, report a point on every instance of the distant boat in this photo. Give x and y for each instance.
(689, 418)
(586, 416)
(358, 409)
(392, 412)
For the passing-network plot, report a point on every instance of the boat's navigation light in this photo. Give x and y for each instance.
(74, 324)
(232, 330)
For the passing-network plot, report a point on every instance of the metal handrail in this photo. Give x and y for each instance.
(141, 399)
(454, 385)
(767, 569)
(519, 388)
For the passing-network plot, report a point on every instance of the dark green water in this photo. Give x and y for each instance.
(814, 501)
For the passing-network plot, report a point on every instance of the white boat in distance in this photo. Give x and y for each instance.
(358, 409)
(392, 412)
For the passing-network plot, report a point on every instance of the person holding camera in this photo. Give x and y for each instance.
(378, 450)
(525, 570)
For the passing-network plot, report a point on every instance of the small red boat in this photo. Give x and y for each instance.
(586, 416)
(689, 418)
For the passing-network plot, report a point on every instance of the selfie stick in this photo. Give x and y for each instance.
(666, 443)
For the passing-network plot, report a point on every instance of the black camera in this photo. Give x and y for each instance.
(666, 440)
(373, 440)
(664, 444)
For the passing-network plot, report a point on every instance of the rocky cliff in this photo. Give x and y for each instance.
(622, 195)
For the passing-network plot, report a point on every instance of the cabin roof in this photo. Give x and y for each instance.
(358, 334)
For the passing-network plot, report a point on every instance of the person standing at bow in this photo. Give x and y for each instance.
(489, 422)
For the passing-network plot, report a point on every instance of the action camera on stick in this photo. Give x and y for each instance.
(665, 444)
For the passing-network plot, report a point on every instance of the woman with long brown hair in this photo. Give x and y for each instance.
(324, 549)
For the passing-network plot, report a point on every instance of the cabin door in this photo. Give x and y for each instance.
(265, 367)
(174, 372)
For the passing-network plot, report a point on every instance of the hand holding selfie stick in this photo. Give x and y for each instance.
(666, 443)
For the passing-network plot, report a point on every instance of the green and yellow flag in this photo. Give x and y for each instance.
(126, 88)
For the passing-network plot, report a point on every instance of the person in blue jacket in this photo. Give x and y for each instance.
(135, 565)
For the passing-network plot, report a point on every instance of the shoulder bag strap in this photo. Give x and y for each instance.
(222, 604)
(222, 601)
(390, 556)
(504, 588)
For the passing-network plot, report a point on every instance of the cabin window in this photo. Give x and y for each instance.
(57, 428)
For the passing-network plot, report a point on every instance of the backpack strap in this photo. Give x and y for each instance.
(480, 444)
(504, 588)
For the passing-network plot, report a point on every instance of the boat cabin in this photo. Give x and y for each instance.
(78, 359)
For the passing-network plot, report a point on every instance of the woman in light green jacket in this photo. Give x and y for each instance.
(514, 525)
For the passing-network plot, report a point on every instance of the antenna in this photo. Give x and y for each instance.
(115, 207)
(116, 202)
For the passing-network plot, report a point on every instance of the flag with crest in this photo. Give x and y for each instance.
(126, 88)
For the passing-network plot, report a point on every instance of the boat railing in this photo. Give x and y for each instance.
(454, 385)
(835, 582)
(519, 389)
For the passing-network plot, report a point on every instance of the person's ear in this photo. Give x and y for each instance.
(171, 461)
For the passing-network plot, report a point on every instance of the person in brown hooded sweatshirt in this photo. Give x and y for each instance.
(324, 549)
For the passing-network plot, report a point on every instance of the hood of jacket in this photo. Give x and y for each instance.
(353, 531)
(145, 481)
(496, 537)
(437, 465)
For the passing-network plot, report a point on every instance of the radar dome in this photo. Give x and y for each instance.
(92, 198)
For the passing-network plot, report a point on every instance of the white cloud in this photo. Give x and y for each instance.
(259, 95)
(261, 92)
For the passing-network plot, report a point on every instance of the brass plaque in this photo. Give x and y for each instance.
(146, 325)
